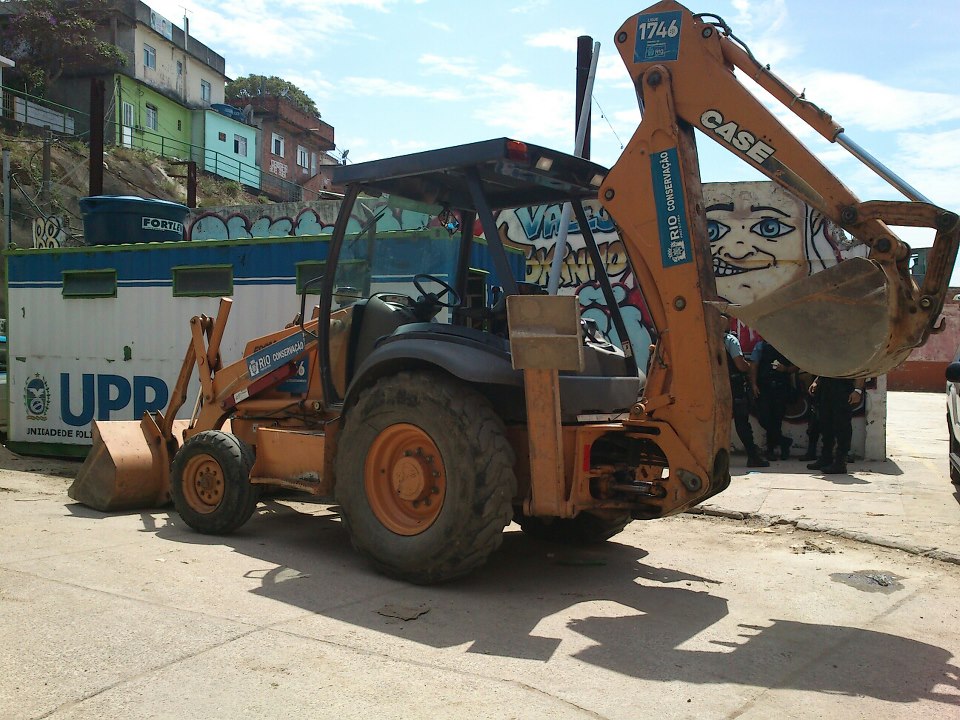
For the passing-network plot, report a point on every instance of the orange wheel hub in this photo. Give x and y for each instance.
(405, 479)
(203, 484)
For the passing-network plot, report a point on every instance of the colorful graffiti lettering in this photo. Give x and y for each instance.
(294, 219)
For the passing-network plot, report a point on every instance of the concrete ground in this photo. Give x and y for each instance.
(697, 616)
(905, 501)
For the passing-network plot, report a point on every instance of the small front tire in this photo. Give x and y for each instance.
(210, 483)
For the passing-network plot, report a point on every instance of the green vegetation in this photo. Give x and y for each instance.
(254, 85)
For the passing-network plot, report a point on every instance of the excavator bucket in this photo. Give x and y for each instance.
(128, 466)
(835, 323)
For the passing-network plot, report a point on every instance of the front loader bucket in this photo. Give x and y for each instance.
(840, 322)
(128, 467)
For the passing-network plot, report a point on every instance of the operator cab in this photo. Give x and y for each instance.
(418, 286)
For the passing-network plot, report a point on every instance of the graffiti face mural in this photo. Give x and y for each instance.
(763, 238)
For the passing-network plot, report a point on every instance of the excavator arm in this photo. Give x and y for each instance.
(859, 318)
(871, 311)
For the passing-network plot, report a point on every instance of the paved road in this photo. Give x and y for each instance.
(696, 616)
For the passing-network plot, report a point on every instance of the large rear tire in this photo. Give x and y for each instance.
(425, 477)
(584, 529)
(210, 483)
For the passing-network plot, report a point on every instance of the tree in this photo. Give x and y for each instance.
(47, 37)
(254, 85)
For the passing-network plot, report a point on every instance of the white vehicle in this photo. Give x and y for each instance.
(953, 416)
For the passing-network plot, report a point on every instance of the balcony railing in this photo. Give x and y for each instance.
(38, 112)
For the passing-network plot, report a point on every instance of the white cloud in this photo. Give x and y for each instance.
(382, 87)
(760, 25)
(313, 84)
(506, 70)
(445, 65)
(527, 111)
(562, 38)
(529, 6)
(932, 151)
(759, 15)
(610, 67)
(858, 100)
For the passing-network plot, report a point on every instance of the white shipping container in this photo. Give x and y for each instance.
(100, 332)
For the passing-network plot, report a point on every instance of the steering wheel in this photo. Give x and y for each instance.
(454, 300)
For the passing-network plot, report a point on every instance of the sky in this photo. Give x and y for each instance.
(399, 76)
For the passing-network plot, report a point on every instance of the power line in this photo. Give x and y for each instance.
(604, 116)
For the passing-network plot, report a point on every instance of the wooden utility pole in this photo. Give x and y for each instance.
(45, 183)
(97, 94)
(584, 56)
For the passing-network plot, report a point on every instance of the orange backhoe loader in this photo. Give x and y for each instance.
(435, 414)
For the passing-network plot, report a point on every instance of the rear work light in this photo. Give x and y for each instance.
(516, 150)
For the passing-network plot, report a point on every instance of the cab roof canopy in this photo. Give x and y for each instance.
(507, 172)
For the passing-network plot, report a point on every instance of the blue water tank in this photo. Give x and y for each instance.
(116, 219)
(229, 111)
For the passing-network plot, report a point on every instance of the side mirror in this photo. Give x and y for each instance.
(953, 371)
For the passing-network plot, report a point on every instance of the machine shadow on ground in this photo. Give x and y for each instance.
(531, 593)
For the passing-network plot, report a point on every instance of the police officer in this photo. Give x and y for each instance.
(836, 398)
(772, 385)
(738, 367)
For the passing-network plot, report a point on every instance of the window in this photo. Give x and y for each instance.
(310, 270)
(179, 68)
(203, 280)
(277, 144)
(240, 145)
(89, 283)
(222, 136)
(204, 91)
(149, 57)
(152, 117)
(303, 157)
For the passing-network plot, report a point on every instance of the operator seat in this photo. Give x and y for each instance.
(373, 319)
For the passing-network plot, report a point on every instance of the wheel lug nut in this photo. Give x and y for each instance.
(426, 501)
(435, 490)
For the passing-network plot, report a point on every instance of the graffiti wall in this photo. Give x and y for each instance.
(274, 220)
(293, 220)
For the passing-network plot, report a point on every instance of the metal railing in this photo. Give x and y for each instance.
(27, 109)
(211, 161)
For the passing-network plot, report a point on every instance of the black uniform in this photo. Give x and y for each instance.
(836, 422)
(775, 392)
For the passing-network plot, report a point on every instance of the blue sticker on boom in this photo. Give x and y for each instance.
(298, 383)
(275, 355)
(671, 213)
(658, 37)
